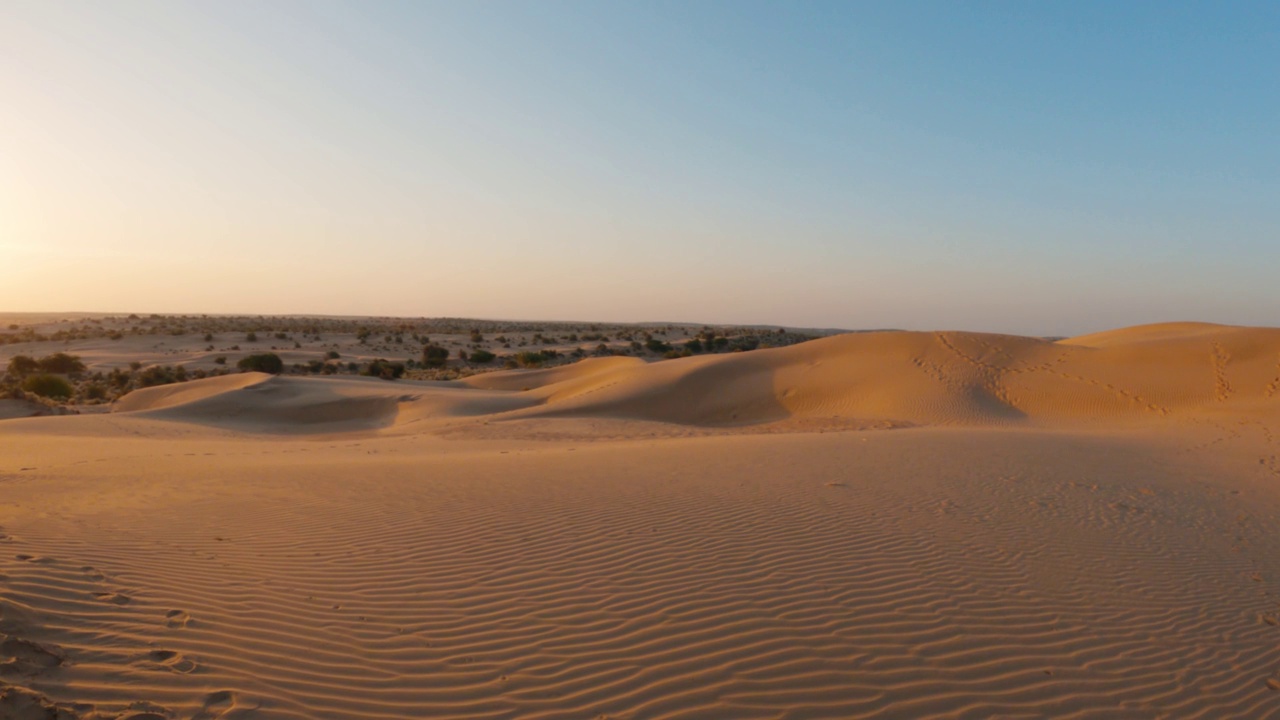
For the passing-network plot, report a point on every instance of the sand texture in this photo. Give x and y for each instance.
(879, 525)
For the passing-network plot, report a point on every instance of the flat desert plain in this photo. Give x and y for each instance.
(878, 525)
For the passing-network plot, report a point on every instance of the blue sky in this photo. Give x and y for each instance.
(1047, 168)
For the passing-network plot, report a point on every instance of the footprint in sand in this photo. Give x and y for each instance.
(176, 619)
(17, 703)
(36, 559)
(143, 710)
(216, 704)
(172, 661)
(26, 657)
(113, 598)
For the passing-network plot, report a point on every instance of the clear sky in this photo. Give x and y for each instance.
(1046, 167)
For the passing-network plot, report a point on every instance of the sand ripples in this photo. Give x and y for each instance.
(713, 578)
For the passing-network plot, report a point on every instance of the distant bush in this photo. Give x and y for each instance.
(434, 356)
(95, 392)
(531, 359)
(263, 362)
(251, 337)
(220, 360)
(384, 369)
(657, 346)
(21, 365)
(482, 356)
(332, 355)
(50, 386)
(156, 375)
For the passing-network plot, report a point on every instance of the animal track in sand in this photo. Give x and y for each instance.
(113, 598)
(93, 573)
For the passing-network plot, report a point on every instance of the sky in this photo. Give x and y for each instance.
(1048, 168)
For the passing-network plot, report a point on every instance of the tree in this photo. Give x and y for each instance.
(263, 362)
(61, 364)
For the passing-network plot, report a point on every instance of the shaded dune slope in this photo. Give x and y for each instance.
(917, 378)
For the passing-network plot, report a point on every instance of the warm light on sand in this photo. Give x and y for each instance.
(861, 526)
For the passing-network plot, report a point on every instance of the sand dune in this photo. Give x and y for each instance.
(970, 379)
(1074, 529)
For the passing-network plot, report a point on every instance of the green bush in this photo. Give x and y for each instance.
(482, 356)
(262, 362)
(50, 386)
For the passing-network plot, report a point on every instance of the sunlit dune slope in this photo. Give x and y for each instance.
(941, 378)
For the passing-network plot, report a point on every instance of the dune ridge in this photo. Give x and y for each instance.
(910, 378)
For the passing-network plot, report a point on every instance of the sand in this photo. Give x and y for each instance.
(882, 525)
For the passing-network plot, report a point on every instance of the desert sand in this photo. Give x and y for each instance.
(879, 525)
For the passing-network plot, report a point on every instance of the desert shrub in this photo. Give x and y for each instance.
(654, 345)
(156, 375)
(262, 362)
(531, 359)
(220, 360)
(434, 356)
(694, 345)
(49, 386)
(251, 337)
(95, 391)
(384, 369)
(482, 356)
(332, 355)
(21, 365)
